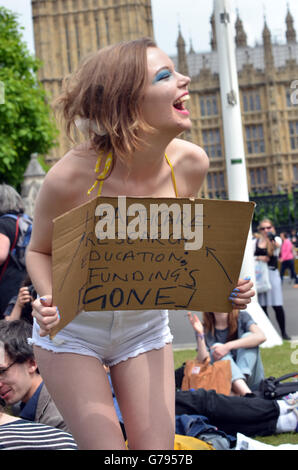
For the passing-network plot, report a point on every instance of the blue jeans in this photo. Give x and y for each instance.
(247, 365)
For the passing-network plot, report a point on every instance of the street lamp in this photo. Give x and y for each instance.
(234, 146)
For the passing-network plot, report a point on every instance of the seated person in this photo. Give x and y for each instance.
(20, 381)
(234, 336)
(19, 434)
(251, 416)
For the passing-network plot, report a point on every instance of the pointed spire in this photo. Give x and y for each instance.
(266, 33)
(290, 33)
(191, 49)
(268, 52)
(241, 37)
(182, 59)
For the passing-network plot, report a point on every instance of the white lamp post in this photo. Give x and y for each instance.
(234, 146)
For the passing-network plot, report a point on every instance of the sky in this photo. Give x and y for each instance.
(193, 17)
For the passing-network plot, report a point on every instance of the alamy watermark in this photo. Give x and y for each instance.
(2, 93)
(136, 221)
(294, 94)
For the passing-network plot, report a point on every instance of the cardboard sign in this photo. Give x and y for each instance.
(144, 253)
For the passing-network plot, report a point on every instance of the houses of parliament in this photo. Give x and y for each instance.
(67, 30)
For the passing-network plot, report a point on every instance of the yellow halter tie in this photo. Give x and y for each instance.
(100, 178)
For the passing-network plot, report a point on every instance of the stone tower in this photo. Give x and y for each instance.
(67, 30)
(291, 32)
(241, 37)
(182, 59)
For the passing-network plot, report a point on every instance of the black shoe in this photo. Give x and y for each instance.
(285, 336)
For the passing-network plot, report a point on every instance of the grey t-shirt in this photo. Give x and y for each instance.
(221, 336)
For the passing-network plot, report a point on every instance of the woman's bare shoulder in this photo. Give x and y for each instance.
(191, 164)
(186, 152)
(65, 183)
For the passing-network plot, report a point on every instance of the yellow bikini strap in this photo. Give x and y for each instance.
(100, 177)
(173, 175)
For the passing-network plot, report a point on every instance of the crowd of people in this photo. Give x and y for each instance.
(34, 422)
(129, 101)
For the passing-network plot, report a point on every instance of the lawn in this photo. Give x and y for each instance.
(277, 361)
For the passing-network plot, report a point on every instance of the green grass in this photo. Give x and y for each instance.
(277, 361)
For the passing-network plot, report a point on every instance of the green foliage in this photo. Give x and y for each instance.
(280, 208)
(26, 124)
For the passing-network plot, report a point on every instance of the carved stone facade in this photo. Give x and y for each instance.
(269, 107)
(65, 31)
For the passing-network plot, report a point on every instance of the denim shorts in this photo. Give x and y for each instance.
(110, 336)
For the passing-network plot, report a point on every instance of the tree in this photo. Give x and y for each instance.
(26, 122)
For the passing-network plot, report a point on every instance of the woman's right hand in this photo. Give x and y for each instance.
(47, 315)
(23, 296)
(196, 323)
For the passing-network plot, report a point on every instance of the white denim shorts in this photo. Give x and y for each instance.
(110, 336)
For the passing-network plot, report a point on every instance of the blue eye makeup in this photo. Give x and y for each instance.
(162, 75)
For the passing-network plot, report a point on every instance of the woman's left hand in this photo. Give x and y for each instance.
(242, 294)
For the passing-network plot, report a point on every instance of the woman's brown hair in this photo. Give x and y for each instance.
(209, 323)
(107, 89)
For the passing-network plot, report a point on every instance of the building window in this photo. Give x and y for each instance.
(107, 28)
(212, 143)
(255, 139)
(258, 179)
(293, 128)
(208, 105)
(77, 38)
(251, 101)
(216, 184)
(97, 31)
(288, 97)
(67, 41)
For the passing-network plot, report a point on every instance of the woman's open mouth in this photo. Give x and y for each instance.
(179, 104)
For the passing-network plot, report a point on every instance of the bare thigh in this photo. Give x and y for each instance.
(145, 390)
(80, 389)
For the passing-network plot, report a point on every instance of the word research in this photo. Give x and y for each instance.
(114, 222)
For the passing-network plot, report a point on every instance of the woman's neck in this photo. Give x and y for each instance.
(221, 321)
(146, 162)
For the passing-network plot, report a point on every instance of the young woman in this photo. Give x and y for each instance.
(267, 249)
(233, 336)
(130, 100)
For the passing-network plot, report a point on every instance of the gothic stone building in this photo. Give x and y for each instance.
(66, 30)
(266, 74)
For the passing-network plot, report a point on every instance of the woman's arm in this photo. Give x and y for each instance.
(256, 338)
(53, 200)
(4, 247)
(202, 353)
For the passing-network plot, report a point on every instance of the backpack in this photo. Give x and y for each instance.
(22, 238)
(273, 388)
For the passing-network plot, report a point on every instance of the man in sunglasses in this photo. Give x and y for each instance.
(20, 381)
